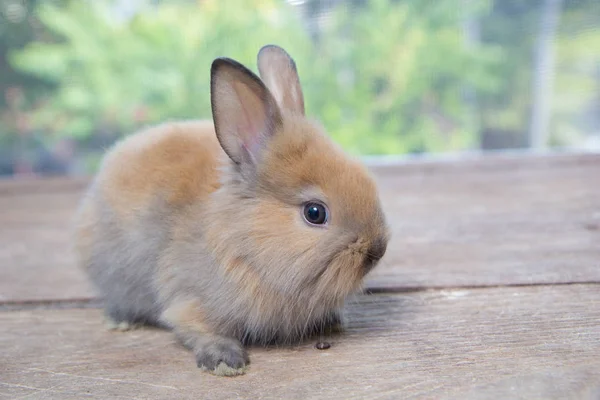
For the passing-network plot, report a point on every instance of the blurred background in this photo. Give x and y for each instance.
(386, 77)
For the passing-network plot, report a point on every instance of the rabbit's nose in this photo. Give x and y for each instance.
(375, 253)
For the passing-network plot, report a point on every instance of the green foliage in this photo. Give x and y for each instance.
(401, 74)
(513, 25)
(384, 76)
(115, 75)
(18, 91)
(576, 110)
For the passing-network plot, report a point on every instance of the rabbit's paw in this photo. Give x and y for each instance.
(222, 357)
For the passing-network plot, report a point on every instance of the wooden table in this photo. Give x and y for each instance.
(490, 289)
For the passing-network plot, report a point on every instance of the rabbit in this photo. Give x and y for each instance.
(249, 229)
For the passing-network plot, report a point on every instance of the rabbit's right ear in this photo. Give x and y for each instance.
(278, 70)
(245, 113)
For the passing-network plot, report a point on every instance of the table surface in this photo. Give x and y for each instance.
(490, 289)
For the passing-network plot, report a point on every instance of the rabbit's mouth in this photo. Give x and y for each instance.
(344, 269)
(369, 251)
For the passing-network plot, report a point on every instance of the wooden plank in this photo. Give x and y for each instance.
(496, 223)
(36, 261)
(537, 342)
(495, 220)
(16, 187)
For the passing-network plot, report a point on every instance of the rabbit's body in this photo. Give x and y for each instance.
(253, 232)
(144, 186)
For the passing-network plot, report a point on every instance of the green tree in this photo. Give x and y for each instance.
(392, 89)
(114, 75)
(19, 91)
(401, 69)
(576, 100)
(513, 25)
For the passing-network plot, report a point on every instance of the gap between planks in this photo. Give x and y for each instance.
(82, 303)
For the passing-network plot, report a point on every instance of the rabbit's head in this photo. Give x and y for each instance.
(295, 217)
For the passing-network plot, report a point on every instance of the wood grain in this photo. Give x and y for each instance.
(540, 342)
(36, 261)
(492, 222)
(485, 221)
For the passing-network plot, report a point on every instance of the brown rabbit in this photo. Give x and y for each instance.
(253, 229)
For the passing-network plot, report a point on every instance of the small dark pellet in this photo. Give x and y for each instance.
(322, 345)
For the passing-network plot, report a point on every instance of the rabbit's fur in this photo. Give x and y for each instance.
(199, 226)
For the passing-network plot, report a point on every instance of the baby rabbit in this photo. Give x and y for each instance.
(251, 229)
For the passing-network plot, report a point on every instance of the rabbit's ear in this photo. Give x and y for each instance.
(245, 113)
(278, 70)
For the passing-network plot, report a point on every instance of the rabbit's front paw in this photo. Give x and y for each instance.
(223, 357)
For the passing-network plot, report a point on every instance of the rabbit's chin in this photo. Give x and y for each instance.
(326, 324)
(290, 328)
(314, 307)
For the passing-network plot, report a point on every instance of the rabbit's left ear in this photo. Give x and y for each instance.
(245, 115)
(278, 71)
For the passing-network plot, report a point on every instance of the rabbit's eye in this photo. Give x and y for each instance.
(315, 213)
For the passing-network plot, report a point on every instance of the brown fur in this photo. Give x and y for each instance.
(180, 159)
(200, 227)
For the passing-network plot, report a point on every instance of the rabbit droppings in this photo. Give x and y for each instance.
(251, 229)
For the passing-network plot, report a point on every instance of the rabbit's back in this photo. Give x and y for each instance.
(176, 161)
(124, 221)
